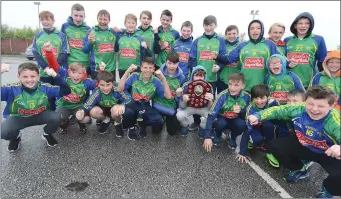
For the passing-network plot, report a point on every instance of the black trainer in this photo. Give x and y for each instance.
(14, 144)
(82, 127)
(51, 142)
(72, 120)
(119, 130)
(63, 127)
(132, 133)
(98, 122)
(103, 128)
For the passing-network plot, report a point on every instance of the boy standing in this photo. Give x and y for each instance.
(232, 41)
(276, 33)
(76, 30)
(229, 108)
(183, 46)
(167, 35)
(305, 49)
(202, 48)
(27, 105)
(100, 42)
(330, 77)
(317, 129)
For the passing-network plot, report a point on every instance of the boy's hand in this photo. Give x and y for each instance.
(132, 68)
(209, 97)
(119, 110)
(208, 145)
(5, 68)
(215, 68)
(185, 98)
(333, 151)
(164, 45)
(236, 108)
(253, 120)
(80, 115)
(160, 75)
(117, 29)
(292, 63)
(92, 37)
(50, 72)
(213, 55)
(156, 30)
(178, 92)
(242, 159)
(47, 46)
(102, 66)
(144, 45)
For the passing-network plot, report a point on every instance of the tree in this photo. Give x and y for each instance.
(8, 32)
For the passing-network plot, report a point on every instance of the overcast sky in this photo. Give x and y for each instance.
(326, 14)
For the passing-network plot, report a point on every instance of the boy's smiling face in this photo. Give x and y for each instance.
(105, 87)
(235, 87)
(333, 65)
(199, 75)
(260, 101)
(29, 78)
(275, 66)
(317, 108)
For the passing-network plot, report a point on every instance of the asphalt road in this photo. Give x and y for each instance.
(157, 166)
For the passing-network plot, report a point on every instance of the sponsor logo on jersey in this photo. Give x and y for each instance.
(76, 43)
(254, 62)
(183, 57)
(310, 142)
(280, 96)
(300, 58)
(105, 48)
(72, 98)
(31, 112)
(54, 51)
(205, 55)
(128, 53)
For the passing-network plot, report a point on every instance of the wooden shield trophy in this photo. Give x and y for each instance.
(196, 92)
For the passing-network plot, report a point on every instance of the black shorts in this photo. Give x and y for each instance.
(106, 111)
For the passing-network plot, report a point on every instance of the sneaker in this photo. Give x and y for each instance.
(216, 141)
(132, 133)
(98, 122)
(249, 145)
(14, 145)
(119, 130)
(90, 121)
(82, 127)
(295, 176)
(193, 126)
(307, 164)
(324, 193)
(72, 120)
(51, 142)
(63, 130)
(272, 160)
(104, 127)
(184, 131)
(232, 144)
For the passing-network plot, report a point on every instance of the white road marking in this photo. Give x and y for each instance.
(266, 177)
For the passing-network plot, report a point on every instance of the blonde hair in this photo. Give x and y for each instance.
(46, 15)
(130, 16)
(76, 66)
(278, 25)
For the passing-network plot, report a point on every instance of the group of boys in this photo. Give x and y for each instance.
(260, 86)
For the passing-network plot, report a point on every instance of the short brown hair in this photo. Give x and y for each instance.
(103, 12)
(46, 15)
(210, 19)
(173, 57)
(130, 16)
(237, 77)
(28, 66)
(277, 24)
(77, 7)
(148, 60)
(146, 12)
(187, 24)
(75, 66)
(321, 92)
(231, 27)
(105, 76)
(260, 90)
(167, 13)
